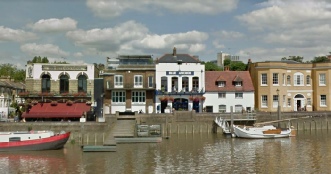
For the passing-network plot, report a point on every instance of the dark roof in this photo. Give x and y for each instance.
(212, 77)
(184, 58)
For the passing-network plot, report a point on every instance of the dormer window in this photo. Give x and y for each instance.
(221, 84)
(238, 83)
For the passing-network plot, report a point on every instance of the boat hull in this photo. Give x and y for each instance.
(50, 143)
(259, 133)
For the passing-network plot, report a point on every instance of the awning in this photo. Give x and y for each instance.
(61, 110)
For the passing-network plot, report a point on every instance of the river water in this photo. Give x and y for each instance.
(308, 152)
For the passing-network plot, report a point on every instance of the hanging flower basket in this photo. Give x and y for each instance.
(202, 98)
(80, 94)
(196, 99)
(191, 98)
(69, 103)
(53, 103)
(171, 99)
(45, 94)
(23, 93)
(163, 98)
(64, 94)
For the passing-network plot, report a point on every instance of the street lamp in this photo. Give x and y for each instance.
(278, 108)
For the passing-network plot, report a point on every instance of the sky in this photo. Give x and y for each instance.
(89, 31)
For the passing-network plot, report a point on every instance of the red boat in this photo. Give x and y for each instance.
(32, 140)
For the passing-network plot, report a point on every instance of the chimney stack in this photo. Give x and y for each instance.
(174, 52)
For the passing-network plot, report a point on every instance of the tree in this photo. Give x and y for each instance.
(294, 58)
(210, 66)
(227, 62)
(9, 70)
(237, 66)
(320, 59)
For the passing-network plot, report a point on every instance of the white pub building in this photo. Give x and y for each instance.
(179, 83)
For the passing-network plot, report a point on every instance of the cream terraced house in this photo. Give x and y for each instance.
(292, 85)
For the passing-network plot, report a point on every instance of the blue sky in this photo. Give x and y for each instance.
(88, 31)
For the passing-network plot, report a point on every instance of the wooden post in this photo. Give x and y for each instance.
(231, 114)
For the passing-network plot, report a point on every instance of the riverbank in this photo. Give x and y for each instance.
(173, 123)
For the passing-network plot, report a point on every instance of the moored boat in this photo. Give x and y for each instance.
(267, 131)
(32, 140)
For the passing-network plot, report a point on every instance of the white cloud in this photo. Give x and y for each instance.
(134, 38)
(112, 8)
(280, 15)
(54, 25)
(218, 45)
(8, 34)
(228, 35)
(45, 50)
(78, 54)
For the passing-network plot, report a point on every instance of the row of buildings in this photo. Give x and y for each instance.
(138, 83)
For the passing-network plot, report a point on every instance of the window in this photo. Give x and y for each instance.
(185, 84)
(322, 79)
(82, 83)
(138, 96)
(288, 80)
(308, 80)
(323, 100)
(289, 102)
(298, 79)
(275, 78)
(264, 80)
(138, 81)
(150, 81)
(238, 83)
(238, 95)
(275, 101)
(64, 84)
(309, 101)
(284, 79)
(284, 100)
(238, 108)
(195, 83)
(119, 81)
(222, 108)
(45, 83)
(264, 102)
(221, 83)
(221, 95)
(118, 96)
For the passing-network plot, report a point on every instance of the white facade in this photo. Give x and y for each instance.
(177, 81)
(213, 100)
(34, 71)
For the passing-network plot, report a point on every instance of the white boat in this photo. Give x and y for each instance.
(267, 131)
(224, 125)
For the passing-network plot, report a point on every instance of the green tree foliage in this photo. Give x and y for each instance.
(210, 66)
(294, 58)
(237, 66)
(227, 62)
(320, 59)
(38, 59)
(9, 70)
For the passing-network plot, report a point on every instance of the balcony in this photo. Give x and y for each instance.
(56, 94)
(194, 91)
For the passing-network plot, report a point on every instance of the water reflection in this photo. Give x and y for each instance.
(309, 152)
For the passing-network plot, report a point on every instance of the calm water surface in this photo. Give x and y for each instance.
(308, 152)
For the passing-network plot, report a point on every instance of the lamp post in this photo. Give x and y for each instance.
(278, 108)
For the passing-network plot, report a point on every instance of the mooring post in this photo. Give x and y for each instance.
(231, 114)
